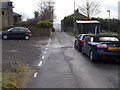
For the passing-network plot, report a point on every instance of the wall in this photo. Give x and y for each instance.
(7, 18)
(40, 32)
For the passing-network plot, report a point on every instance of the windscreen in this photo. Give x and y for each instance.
(108, 39)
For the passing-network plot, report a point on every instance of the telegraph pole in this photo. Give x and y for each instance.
(109, 22)
(74, 19)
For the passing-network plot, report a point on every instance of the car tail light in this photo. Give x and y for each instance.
(82, 40)
(101, 46)
(30, 32)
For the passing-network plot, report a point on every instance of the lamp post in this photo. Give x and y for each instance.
(108, 22)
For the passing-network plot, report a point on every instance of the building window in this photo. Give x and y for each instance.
(2, 12)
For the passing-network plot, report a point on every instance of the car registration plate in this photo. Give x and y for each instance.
(114, 48)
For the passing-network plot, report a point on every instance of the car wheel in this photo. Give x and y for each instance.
(92, 59)
(75, 44)
(79, 48)
(26, 37)
(83, 51)
(5, 37)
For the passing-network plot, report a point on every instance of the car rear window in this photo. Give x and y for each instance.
(86, 36)
(107, 39)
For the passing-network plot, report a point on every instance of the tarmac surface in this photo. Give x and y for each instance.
(61, 65)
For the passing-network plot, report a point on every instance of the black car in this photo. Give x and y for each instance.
(80, 40)
(16, 32)
(102, 47)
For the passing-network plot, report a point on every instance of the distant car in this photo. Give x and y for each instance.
(17, 33)
(80, 40)
(102, 47)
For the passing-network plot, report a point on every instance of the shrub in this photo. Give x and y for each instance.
(44, 24)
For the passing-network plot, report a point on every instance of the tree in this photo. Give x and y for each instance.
(44, 24)
(23, 16)
(36, 14)
(68, 21)
(90, 9)
(46, 10)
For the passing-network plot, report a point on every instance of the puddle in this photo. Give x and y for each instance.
(67, 47)
(13, 51)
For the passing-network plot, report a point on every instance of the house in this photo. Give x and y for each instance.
(7, 17)
(81, 26)
(76, 14)
(6, 9)
(17, 17)
(86, 27)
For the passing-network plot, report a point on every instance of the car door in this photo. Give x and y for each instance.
(87, 45)
(13, 33)
(22, 32)
(78, 40)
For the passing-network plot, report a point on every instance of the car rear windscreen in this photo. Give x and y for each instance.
(108, 39)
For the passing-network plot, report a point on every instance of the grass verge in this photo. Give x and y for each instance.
(57, 31)
(106, 33)
(14, 79)
(72, 34)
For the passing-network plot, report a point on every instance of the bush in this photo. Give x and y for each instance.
(44, 24)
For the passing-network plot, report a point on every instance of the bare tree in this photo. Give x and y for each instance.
(90, 8)
(46, 9)
(23, 16)
(36, 14)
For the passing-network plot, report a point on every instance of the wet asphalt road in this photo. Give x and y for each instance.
(62, 66)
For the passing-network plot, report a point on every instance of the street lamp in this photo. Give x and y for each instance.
(108, 22)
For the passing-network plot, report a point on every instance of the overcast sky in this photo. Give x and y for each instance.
(65, 7)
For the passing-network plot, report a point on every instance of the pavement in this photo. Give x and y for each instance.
(61, 65)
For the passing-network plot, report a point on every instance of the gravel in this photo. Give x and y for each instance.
(21, 51)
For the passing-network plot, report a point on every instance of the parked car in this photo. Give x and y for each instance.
(16, 32)
(102, 47)
(80, 40)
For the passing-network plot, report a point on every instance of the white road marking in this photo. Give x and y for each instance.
(48, 45)
(35, 75)
(45, 52)
(40, 63)
(43, 57)
(46, 48)
(50, 40)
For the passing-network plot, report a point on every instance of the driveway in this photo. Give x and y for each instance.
(21, 51)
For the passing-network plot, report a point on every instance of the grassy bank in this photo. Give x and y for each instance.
(14, 79)
(72, 34)
(105, 33)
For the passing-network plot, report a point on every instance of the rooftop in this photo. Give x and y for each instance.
(16, 14)
(79, 21)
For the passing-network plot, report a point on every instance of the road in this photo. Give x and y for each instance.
(63, 66)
